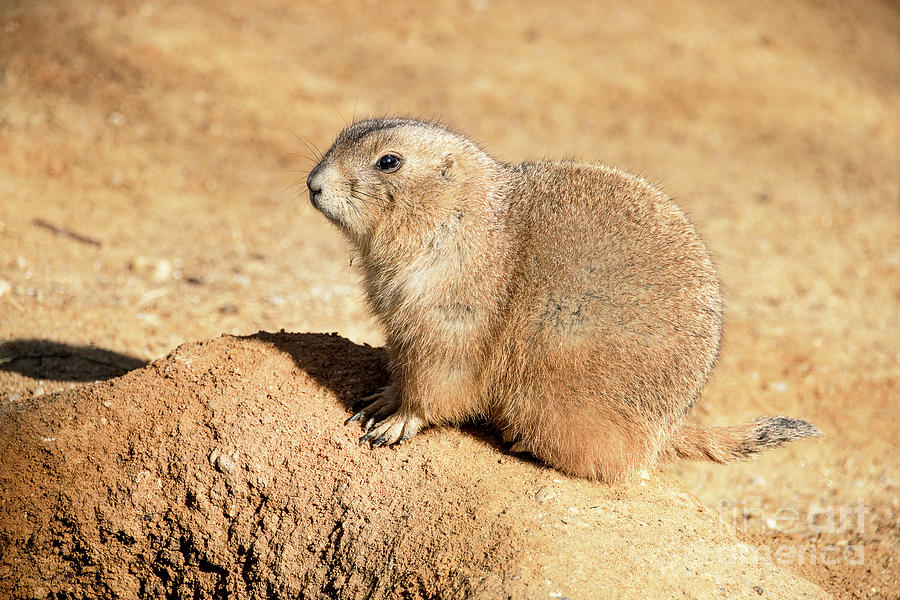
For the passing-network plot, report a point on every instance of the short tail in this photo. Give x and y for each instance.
(724, 444)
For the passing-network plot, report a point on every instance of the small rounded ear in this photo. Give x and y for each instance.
(447, 166)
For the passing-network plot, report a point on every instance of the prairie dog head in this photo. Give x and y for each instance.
(389, 173)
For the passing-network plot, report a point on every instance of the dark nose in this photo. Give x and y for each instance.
(315, 186)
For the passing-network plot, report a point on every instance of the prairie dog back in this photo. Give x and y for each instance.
(616, 318)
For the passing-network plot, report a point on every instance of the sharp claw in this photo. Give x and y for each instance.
(379, 419)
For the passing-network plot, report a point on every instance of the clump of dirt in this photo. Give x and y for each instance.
(224, 469)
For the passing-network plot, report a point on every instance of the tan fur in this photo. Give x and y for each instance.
(573, 304)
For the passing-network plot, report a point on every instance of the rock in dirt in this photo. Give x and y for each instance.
(225, 470)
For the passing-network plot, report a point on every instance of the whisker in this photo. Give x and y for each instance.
(366, 198)
(305, 157)
(374, 196)
(338, 113)
(297, 186)
(309, 146)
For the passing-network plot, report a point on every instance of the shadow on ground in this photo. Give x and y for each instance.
(46, 359)
(347, 369)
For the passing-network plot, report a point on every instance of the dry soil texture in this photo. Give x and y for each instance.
(224, 470)
(151, 174)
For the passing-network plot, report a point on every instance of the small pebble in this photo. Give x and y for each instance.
(115, 118)
(544, 494)
(160, 269)
(224, 464)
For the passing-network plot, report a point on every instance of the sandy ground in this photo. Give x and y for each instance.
(151, 193)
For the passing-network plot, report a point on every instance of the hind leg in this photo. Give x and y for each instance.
(599, 443)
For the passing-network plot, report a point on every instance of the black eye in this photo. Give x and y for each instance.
(388, 163)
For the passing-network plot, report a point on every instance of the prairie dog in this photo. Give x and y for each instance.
(572, 304)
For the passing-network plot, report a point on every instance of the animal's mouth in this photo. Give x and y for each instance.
(313, 199)
(316, 199)
(319, 201)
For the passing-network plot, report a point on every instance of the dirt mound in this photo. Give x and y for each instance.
(225, 469)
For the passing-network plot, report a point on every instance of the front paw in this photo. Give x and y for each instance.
(385, 422)
(393, 429)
